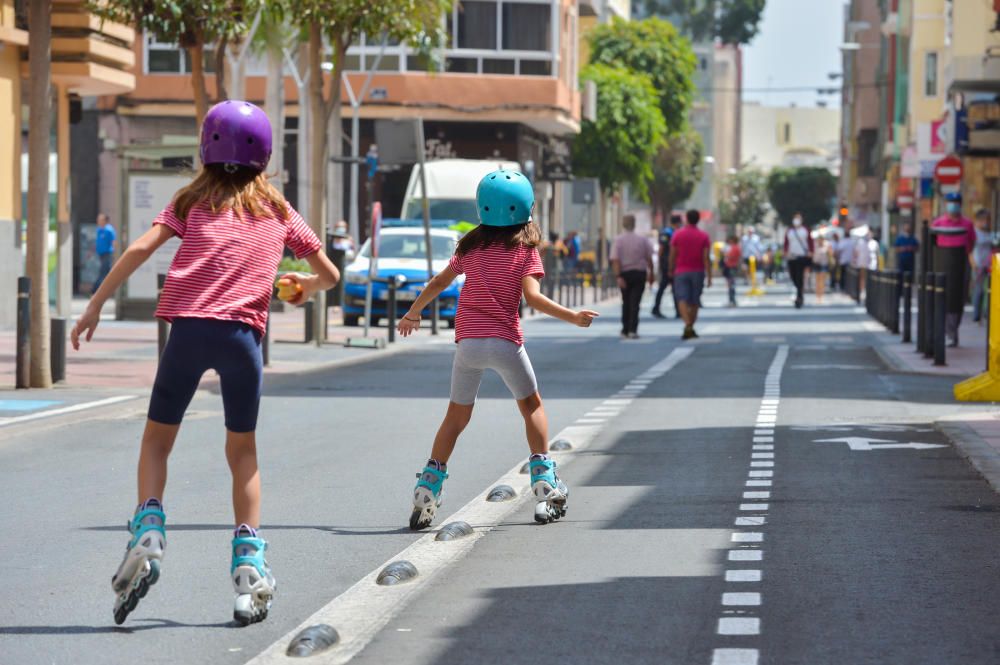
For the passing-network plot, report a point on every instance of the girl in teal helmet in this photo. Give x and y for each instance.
(501, 264)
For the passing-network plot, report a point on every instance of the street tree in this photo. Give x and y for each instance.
(652, 47)
(743, 198)
(340, 23)
(729, 21)
(619, 146)
(808, 190)
(192, 25)
(677, 169)
(39, 124)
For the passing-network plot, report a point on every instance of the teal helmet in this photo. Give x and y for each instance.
(504, 198)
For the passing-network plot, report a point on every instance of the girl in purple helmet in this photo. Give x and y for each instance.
(233, 228)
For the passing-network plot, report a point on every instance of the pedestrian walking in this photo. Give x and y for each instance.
(632, 263)
(104, 246)
(820, 266)
(750, 246)
(957, 293)
(663, 254)
(982, 257)
(233, 225)
(500, 262)
(573, 248)
(690, 265)
(798, 252)
(906, 246)
(731, 260)
(844, 252)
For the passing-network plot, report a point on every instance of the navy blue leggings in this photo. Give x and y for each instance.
(195, 345)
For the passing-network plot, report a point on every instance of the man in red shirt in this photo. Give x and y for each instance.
(690, 264)
(953, 218)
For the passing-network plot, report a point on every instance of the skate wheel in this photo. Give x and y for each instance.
(132, 601)
(143, 588)
(154, 572)
(417, 520)
(242, 619)
(120, 615)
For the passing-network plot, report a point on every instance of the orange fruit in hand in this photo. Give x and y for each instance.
(288, 289)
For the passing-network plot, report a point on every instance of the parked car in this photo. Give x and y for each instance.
(402, 252)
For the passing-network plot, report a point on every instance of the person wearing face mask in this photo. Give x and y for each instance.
(953, 218)
(798, 254)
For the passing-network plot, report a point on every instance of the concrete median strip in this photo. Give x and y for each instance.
(360, 612)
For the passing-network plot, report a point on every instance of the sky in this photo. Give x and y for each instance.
(795, 48)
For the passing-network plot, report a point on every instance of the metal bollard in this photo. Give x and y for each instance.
(921, 312)
(23, 362)
(390, 308)
(265, 344)
(907, 307)
(57, 349)
(929, 319)
(940, 281)
(162, 327)
(435, 315)
(895, 293)
(309, 309)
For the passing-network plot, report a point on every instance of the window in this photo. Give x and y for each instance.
(784, 133)
(867, 159)
(526, 27)
(931, 74)
(476, 25)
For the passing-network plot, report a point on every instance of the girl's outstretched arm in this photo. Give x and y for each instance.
(133, 257)
(537, 300)
(411, 320)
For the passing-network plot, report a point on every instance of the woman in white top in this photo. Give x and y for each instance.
(798, 254)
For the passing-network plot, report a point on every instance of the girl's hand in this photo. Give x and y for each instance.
(303, 284)
(585, 317)
(410, 323)
(86, 323)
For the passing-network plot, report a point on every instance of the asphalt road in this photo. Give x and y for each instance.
(711, 520)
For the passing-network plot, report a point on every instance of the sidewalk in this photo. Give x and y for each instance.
(967, 360)
(123, 354)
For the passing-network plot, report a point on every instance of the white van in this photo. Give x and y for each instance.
(451, 188)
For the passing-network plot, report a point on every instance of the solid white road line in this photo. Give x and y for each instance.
(359, 613)
(66, 409)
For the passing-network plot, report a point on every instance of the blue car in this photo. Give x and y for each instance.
(402, 252)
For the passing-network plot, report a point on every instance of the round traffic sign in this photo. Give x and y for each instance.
(949, 171)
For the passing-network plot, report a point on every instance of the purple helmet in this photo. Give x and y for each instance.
(236, 132)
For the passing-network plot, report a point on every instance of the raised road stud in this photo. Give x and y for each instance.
(312, 640)
(501, 493)
(560, 445)
(453, 531)
(397, 572)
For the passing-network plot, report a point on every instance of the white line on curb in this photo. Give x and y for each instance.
(66, 409)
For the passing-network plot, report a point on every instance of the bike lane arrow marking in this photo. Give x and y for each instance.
(865, 443)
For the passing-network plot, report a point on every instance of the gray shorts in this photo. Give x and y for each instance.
(688, 286)
(507, 359)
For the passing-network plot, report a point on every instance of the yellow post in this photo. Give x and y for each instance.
(755, 289)
(986, 386)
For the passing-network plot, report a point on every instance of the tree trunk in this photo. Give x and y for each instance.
(197, 57)
(318, 117)
(39, 124)
(220, 71)
(335, 194)
(274, 106)
(303, 146)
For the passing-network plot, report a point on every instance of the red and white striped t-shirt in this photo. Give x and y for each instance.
(487, 306)
(225, 266)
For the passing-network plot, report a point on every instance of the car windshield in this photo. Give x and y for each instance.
(411, 246)
(461, 210)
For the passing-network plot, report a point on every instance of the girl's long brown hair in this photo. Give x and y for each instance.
(483, 236)
(244, 191)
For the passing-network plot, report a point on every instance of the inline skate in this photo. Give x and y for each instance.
(427, 494)
(140, 569)
(252, 578)
(547, 487)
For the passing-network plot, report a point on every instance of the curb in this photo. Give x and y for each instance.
(973, 447)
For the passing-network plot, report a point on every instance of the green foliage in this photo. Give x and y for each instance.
(652, 47)
(808, 190)
(619, 147)
(417, 22)
(289, 264)
(743, 198)
(677, 169)
(729, 21)
(188, 23)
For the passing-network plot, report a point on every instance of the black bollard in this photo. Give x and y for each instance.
(162, 327)
(929, 319)
(265, 344)
(57, 349)
(940, 284)
(23, 362)
(390, 308)
(907, 306)
(309, 309)
(921, 312)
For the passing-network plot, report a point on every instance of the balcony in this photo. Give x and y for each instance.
(974, 73)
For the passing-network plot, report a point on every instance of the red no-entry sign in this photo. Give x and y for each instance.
(949, 171)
